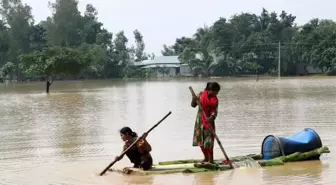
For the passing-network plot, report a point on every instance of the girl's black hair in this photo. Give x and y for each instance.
(207, 86)
(212, 86)
(128, 131)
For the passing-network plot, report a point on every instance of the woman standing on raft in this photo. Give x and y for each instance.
(202, 131)
(139, 154)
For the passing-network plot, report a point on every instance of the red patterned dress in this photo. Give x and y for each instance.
(202, 131)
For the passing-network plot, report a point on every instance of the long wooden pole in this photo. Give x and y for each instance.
(124, 152)
(212, 129)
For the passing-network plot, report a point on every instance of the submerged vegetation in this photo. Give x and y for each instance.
(193, 165)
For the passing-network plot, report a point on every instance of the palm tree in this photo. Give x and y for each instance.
(199, 55)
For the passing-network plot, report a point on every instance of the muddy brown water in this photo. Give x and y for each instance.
(71, 135)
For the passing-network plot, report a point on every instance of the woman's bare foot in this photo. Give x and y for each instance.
(204, 161)
(211, 158)
(212, 162)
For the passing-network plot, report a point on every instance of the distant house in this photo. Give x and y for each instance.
(307, 69)
(185, 70)
(165, 66)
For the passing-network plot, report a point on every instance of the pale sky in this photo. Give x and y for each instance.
(161, 22)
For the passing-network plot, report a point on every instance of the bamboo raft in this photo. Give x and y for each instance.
(194, 166)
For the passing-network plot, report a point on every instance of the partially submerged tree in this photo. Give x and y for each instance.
(54, 61)
(8, 69)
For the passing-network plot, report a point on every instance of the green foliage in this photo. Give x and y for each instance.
(168, 51)
(98, 57)
(66, 43)
(8, 69)
(55, 61)
(15, 29)
(134, 72)
(249, 44)
(140, 47)
(62, 27)
(71, 43)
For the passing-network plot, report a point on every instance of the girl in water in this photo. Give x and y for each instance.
(139, 154)
(202, 130)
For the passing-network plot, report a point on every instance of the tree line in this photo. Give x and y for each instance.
(69, 44)
(249, 44)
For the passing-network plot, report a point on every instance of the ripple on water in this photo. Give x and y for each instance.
(69, 135)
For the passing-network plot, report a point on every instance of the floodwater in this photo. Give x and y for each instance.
(71, 135)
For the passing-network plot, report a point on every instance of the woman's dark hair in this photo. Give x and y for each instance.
(128, 131)
(207, 86)
(212, 86)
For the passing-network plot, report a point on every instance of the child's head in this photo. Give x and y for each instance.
(207, 86)
(213, 88)
(126, 133)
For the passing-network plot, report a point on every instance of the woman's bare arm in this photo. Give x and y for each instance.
(144, 146)
(124, 148)
(194, 101)
(214, 112)
(147, 146)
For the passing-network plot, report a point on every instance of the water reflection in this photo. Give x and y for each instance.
(310, 171)
(174, 179)
(139, 180)
(205, 179)
(130, 180)
(77, 124)
(240, 176)
(17, 137)
(69, 133)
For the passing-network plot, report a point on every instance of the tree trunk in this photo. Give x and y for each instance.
(48, 84)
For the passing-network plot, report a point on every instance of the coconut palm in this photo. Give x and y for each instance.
(199, 55)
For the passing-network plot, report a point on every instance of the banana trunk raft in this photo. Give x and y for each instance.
(194, 166)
